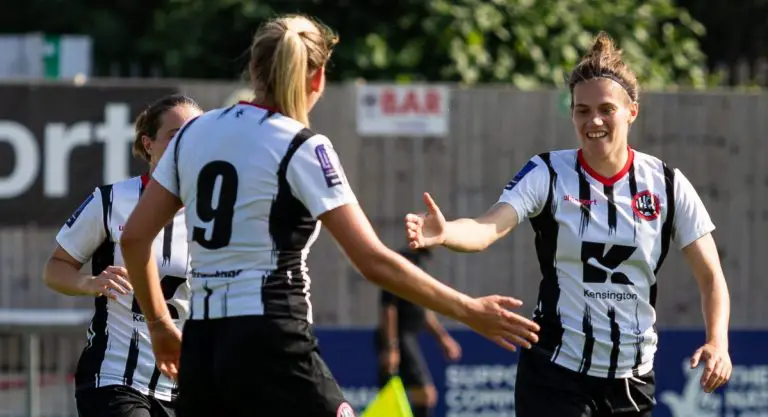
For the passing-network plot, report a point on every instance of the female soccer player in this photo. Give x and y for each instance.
(116, 375)
(255, 181)
(605, 217)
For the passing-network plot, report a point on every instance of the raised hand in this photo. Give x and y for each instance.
(425, 229)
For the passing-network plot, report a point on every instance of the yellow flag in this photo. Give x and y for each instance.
(391, 401)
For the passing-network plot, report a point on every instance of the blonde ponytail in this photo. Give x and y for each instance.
(285, 52)
(288, 77)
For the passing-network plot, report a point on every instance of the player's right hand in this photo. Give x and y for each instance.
(112, 281)
(490, 317)
(425, 229)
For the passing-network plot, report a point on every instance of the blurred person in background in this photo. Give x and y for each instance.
(397, 343)
(256, 182)
(116, 374)
(604, 217)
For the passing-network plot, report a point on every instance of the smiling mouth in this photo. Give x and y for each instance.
(597, 135)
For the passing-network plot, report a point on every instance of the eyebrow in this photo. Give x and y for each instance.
(173, 130)
(606, 103)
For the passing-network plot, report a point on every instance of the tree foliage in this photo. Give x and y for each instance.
(527, 43)
(531, 43)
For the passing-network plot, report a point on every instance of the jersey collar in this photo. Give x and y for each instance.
(144, 179)
(612, 180)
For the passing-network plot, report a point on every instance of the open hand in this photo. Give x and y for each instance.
(491, 318)
(718, 366)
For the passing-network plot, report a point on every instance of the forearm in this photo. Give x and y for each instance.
(468, 235)
(434, 327)
(64, 278)
(400, 277)
(716, 308)
(145, 279)
(389, 326)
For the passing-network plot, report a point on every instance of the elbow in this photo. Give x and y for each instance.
(130, 240)
(48, 275)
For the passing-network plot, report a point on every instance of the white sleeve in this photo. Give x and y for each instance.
(528, 189)
(317, 178)
(165, 171)
(691, 218)
(84, 232)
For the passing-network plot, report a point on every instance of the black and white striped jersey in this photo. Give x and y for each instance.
(119, 351)
(600, 243)
(253, 183)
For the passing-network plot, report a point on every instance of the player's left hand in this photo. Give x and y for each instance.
(166, 345)
(451, 348)
(717, 364)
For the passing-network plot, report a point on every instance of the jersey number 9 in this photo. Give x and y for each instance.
(218, 216)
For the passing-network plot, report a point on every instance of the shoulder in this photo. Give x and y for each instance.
(643, 159)
(130, 185)
(551, 162)
(558, 157)
(654, 169)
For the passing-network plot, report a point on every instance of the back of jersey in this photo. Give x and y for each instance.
(253, 183)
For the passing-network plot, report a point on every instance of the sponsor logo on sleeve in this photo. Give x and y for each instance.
(331, 174)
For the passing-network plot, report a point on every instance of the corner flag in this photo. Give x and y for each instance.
(391, 401)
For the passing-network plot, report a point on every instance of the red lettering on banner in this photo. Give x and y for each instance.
(410, 103)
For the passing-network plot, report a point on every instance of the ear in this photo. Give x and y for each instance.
(147, 143)
(634, 110)
(316, 79)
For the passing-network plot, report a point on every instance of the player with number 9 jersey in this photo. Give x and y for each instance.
(116, 374)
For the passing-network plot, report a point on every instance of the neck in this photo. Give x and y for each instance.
(262, 100)
(608, 165)
(151, 169)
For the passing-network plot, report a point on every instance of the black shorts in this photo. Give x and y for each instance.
(544, 389)
(255, 366)
(413, 368)
(119, 401)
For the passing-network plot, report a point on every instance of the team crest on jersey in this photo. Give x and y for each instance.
(519, 176)
(76, 214)
(345, 410)
(332, 177)
(646, 205)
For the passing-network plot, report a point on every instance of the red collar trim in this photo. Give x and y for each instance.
(612, 180)
(144, 179)
(267, 108)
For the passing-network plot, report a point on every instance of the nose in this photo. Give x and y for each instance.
(596, 121)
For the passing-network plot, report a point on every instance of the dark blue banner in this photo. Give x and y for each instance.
(481, 384)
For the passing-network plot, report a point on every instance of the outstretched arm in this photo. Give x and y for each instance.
(522, 197)
(460, 235)
(475, 235)
(394, 273)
